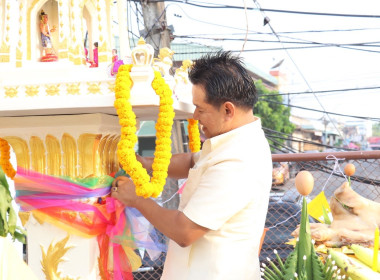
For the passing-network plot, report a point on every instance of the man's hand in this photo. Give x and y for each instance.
(124, 190)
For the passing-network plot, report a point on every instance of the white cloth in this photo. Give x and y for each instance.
(227, 191)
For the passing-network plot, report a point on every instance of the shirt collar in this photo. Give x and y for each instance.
(242, 131)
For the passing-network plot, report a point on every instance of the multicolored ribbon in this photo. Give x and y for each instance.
(84, 207)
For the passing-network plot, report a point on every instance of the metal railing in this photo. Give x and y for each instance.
(284, 208)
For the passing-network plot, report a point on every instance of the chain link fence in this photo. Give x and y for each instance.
(284, 209)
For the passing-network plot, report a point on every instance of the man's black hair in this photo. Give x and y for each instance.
(224, 78)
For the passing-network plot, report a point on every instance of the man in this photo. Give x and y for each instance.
(215, 233)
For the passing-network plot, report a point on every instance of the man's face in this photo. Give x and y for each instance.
(210, 118)
(45, 19)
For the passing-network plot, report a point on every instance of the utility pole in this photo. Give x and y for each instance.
(156, 30)
(157, 35)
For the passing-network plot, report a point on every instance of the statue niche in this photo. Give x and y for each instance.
(47, 51)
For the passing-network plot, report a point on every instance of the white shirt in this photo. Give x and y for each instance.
(227, 192)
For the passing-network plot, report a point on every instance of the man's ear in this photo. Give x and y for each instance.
(229, 109)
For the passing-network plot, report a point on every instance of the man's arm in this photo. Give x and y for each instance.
(172, 223)
(179, 166)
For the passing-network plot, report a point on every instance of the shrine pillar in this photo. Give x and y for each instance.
(64, 29)
(5, 44)
(104, 51)
(76, 50)
(21, 41)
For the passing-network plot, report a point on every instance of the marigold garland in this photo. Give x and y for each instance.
(145, 186)
(5, 156)
(194, 136)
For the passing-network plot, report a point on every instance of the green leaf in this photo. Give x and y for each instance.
(3, 180)
(326, 217)
(304, 243)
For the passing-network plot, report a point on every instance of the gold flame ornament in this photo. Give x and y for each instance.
(52, 257)
(145, 186)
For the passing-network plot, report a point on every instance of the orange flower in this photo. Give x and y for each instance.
(5, 157)
(145, 186)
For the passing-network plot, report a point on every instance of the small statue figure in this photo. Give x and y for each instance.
(116, 63)
(182, 88)
(182, 73)
(94, 62)
(164, 61)
(47, 47)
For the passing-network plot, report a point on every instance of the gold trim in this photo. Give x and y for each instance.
(54, 159)
(38, 216)
(38, 154)
(52, 90)
(94, 87)
(70, 161)
(73, 88)
(102, 155)
(24, 217)
(28, 33)
(111, 86)
(11, 91)
(32, 90)
(113, 161)
(88, 144)
(20, 148)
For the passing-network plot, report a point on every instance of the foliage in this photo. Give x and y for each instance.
(376, 129)
(273, 114)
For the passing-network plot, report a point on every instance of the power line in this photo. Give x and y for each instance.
(217, 6)
(298, 69)
(323, 111)
(320, 91)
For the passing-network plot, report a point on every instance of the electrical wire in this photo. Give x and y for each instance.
(299, 71)
(343, 90)
(325, 112)
(218, 6)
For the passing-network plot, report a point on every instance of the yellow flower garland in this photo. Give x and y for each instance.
(194, 136)
(5, 156)
(145, 186)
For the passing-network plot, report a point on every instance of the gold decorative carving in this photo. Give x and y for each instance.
(32, 90)
(63, 44)
(38, 216)
(5, 48)
(11, 91)
(54, 159)
(69, 148)
(53, 257)
(38, 154)
(102, 155)
(111, 86)
(52, 89)
(4, 58)
(24, 217)
(20, 148)
(94, 87)
(113, 161)
(73, 88)
(88, 145)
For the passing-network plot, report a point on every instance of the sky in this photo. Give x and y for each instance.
(324, 68)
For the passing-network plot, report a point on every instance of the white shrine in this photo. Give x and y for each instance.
(59, 116)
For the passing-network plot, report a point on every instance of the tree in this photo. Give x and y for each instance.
(273, 114)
